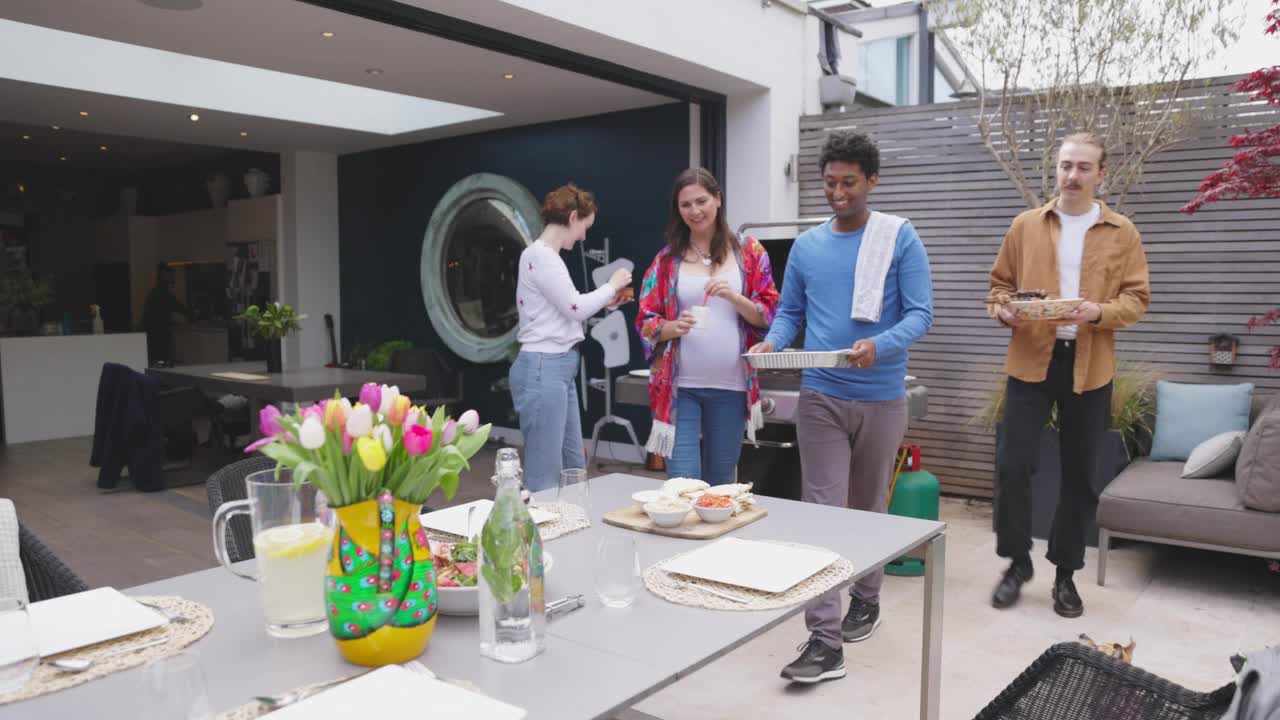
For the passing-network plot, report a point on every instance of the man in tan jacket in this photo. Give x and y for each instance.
(1075, 246)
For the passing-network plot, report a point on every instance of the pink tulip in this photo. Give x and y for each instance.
(269, 426)
(371, 395)
(417, 440)
(449, 432)
(469, 422)
(347, 442)
(316, 411)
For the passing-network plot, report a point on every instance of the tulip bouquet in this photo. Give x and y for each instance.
(352, 452)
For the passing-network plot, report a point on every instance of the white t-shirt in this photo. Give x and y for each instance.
(711, 355)
(1070, 255)
(551, 309)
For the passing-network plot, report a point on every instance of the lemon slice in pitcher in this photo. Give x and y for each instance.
(291, 541)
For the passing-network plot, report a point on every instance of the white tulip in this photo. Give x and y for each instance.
(469, 421)
(389, 395)
(312, 433)
(383, 433)
(360, 422)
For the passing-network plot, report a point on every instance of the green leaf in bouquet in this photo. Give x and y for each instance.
(470, 443)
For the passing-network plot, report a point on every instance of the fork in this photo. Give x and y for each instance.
(682, 584)
(169, 615)
(271, 703)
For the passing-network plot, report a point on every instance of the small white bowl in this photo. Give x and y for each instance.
(642, 497)
(667, 518)
(713, 515)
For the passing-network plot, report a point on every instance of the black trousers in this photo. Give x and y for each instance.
(1082, 423)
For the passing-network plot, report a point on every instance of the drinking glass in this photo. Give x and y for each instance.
(574, 489)
(292, 539)
(19, 654)
(176, 688)
(617, 571)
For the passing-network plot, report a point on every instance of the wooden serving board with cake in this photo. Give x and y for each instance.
(689, 508)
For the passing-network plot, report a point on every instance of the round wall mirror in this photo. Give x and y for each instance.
(470, 257)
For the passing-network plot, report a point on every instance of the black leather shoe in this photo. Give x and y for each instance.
(816, 663)
(862, 619)
(1066, 601)
(1010, 587)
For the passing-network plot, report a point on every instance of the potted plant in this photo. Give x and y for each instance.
(1128, 433)
(271, 323)
(376, 462)
(23, 295)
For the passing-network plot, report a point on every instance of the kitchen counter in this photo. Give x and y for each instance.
(49, 384)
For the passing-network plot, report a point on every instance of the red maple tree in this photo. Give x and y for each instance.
(1254, 171)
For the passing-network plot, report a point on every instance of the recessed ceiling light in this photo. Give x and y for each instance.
(62, 157)
(55, 127)
(508, 76)
(194, 117)
(374, 71)
(22, 188)
(327, 34)
(26, 137)
(244, 133)
(84, 113)
(102, 147)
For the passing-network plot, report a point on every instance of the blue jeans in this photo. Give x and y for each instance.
(719, 417)
(545, 395)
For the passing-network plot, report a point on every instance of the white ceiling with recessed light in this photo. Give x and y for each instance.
(265, 68)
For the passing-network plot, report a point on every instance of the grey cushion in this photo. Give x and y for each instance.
(1258, 467)
(1215, 457)
(1150, 498)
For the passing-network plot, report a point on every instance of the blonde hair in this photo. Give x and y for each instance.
(1088, 138)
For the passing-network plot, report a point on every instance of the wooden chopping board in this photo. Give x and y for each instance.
(693, 528)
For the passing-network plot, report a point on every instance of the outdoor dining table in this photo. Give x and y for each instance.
(293, 385)
(598, 662)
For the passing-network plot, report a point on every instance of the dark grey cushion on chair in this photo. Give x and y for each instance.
(1150, 498)
(47, 576)
(228, 484)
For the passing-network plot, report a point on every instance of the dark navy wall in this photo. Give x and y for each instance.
(628, 159)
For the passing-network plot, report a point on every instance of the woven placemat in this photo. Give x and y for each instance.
(254, 709)
(682, 591)
(571, 518)
(47, 679)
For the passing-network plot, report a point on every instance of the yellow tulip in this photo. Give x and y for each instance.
(372, 455)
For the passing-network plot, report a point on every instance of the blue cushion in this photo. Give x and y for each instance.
(1187, 415)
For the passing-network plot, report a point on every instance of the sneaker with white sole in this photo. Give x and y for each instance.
(862, 619)
(817, 662)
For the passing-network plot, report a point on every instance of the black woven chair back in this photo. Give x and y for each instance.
(46, 575)
(228, 484)
(1073, 682)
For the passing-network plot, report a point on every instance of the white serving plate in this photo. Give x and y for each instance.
(453, 520)
(466, 600)
(765, 566)
(389, 691)
(87, 618)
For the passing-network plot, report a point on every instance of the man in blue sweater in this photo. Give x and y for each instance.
(851, 421)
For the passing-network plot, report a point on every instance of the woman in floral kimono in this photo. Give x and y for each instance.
(706, 298)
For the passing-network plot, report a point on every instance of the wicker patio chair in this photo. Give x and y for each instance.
(1073, 682)
(47, 576)
(228, 484)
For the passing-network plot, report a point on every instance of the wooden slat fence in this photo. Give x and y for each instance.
(1209, 271)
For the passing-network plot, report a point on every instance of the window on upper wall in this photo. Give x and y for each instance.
(885, 71)
(941, 88)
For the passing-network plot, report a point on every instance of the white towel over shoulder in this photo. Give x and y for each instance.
(875, 255)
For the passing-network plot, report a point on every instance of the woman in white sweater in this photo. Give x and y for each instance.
(551, 315)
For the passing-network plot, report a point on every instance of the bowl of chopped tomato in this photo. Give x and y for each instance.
(713, 508)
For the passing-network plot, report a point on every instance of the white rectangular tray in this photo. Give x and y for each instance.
(769, 567)
(799, 359)
(87, 618)
(391, 690)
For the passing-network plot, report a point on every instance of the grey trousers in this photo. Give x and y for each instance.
(848, 449)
